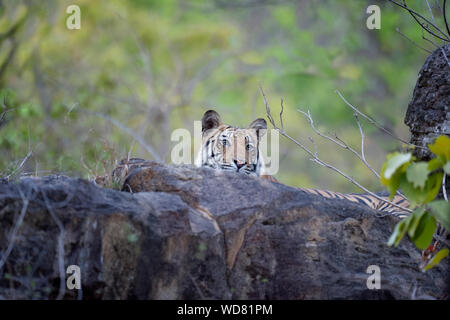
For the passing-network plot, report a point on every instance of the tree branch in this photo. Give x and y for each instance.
(413, 42)
(372, 121)
(340, 142)
(416, 17)
(444, 11)
(316, 159)
(444, 190)
(20, 165)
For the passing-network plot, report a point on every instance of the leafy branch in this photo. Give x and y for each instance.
(421, 181)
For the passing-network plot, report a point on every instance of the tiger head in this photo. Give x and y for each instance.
(230, 148)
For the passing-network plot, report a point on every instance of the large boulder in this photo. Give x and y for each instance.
(197, 233)
(428, 114)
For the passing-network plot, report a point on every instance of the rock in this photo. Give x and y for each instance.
(198, 233)
(428, 114)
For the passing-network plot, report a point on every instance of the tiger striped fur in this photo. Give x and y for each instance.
(368, 200)
(229, 148)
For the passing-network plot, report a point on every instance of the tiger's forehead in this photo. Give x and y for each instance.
(230, 131)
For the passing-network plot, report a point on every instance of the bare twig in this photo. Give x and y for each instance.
(418, 16)
(445, 16)
(372, 121)
(441, 239)
(281, 114)
(269, 115)
(428, 40)
(316, 159)
(413, 42)
(340, 142)
(444, 190)
(362, 143)
(431, 12)
(20, 165)
(3, 114)
(344, 145)
(316, 150)
(445, 56)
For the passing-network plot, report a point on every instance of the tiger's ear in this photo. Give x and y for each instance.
(260, 125)
(210, 120)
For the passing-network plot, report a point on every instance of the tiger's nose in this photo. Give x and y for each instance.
(239, 164)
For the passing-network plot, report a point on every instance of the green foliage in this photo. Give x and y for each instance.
(440, 209)
(420, 182)
(437, 258)
(155, 66)
(417, 174)
(394, 162)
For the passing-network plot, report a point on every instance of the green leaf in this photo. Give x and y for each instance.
(399, 232)
(415, 195)
(437, 258)
(392, 180)
(447, 167)
(394, 184)
(395, 162)
(436, 163)
(424, 232)
(441, 146)
(433, 185)
(417, 173)
(440, 209)
(415, 218)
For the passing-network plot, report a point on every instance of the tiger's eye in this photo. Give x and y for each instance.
(224, 142)
(248, 147)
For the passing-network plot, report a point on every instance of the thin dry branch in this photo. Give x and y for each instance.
(444, 190)
(3, 114)
(428, 40)
(316, 159)
(445, 16)
(20, 165)
(431, 11)
(416, 16)
(281, 114)
(445, 56)
(361, 156)
(412, 41)
(340, 142)
(372, 121)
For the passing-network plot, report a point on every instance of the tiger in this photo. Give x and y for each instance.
(229, 148)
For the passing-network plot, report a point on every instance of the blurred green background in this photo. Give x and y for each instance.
(154, 66)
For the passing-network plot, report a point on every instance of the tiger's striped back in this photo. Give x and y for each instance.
(367, 200)
(361, 198)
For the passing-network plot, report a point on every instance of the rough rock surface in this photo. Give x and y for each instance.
(197, 233)
(428, 114)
